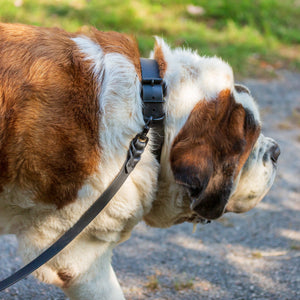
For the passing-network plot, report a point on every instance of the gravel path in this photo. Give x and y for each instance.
(251, 256)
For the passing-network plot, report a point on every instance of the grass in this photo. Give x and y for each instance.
(256, 254)
(295, 247)
(184, 285)
(254, 36)
(153, 283)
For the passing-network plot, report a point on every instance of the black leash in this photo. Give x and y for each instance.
(153, 92)
(135, 151)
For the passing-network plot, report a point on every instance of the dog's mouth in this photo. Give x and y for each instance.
(194, 218)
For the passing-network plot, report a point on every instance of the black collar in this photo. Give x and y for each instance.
(152, 93)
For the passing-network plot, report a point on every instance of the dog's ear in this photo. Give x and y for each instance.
(192, 167)
(161, 52)
(206, 153)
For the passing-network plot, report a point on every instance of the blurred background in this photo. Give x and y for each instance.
(249, 256)
(256, 37)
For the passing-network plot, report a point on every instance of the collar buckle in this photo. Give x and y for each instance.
(153, 92)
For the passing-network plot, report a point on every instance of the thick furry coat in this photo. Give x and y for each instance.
(69, 106)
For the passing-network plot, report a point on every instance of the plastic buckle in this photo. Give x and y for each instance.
(152, 93)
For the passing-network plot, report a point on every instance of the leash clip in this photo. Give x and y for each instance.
(136, 149)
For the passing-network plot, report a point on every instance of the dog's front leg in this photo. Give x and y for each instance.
(99, 282)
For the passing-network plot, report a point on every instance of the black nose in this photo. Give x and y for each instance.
(275, 152)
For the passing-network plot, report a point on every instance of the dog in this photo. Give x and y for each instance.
(70, 105)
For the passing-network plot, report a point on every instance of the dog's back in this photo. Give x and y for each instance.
(49, 114)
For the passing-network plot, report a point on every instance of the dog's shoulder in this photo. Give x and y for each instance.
(49, 111)
(116, 42)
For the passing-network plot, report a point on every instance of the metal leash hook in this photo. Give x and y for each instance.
(137, 147)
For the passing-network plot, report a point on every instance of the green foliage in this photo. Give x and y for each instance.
(244, 32)
(270, 17)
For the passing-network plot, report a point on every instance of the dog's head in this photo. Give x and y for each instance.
(214, 151)
(221, 157)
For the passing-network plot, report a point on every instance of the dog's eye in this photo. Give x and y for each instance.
(194, 191)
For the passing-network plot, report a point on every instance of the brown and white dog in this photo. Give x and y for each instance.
(69, 106)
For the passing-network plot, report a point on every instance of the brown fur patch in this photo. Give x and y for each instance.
(159, 57)
(49, 111)
(246, 127)
(210, 150)
(65, 277)
(48, 114)
(114, 42)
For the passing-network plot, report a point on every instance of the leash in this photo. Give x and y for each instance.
(152, 94)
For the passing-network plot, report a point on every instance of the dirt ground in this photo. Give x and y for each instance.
(250, 256)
